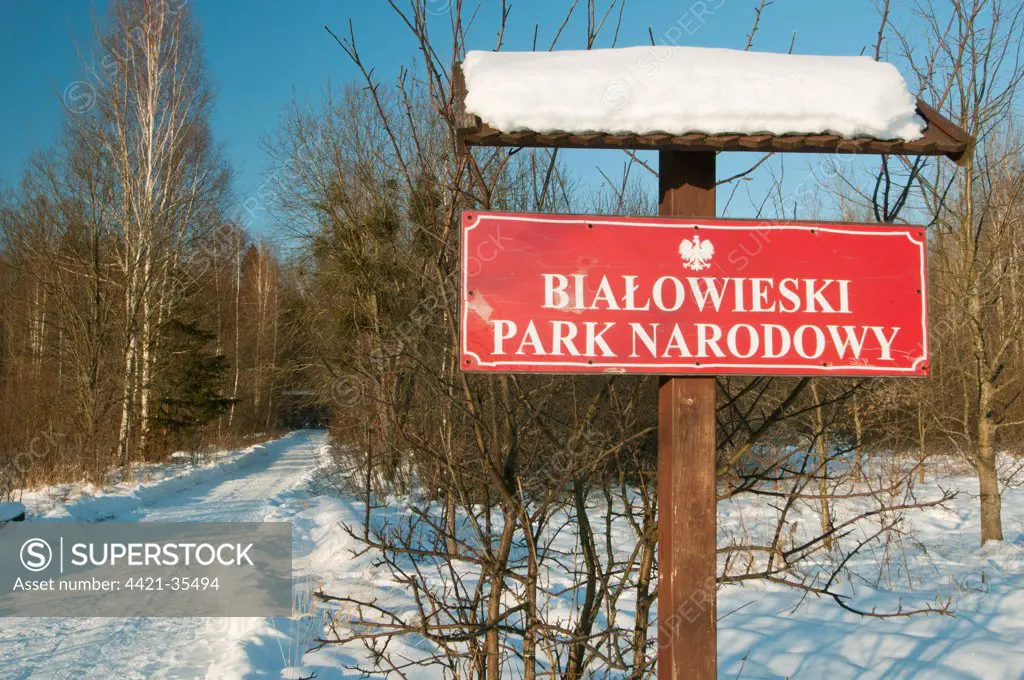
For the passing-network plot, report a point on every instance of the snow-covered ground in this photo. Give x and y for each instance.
(765, 632)
(776, 633)
(267, 482)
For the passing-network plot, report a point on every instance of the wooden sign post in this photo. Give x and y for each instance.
(687, 496)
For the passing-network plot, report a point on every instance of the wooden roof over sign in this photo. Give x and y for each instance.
(941, 137)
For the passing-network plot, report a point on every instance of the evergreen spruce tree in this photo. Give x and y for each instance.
(189, 386)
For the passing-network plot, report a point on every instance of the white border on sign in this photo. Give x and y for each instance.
(702, 367)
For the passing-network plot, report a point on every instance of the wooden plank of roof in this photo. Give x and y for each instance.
(557, 139)
(463, 119)
(943, 124)
(825, 142)
(756, 142)
(522, 136)
(787, 142)
(946, 134)
(487, 136)
(588, 140)
(941, 137)
(658, 140)
(688, 139)
(857, 145)
(723, 142)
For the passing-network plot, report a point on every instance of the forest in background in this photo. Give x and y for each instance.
(139, 317)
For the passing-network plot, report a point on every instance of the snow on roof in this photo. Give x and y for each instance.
(680, 90)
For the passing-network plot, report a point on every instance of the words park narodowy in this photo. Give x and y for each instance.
(685, 294)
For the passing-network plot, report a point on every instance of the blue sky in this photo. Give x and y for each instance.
(261, 53)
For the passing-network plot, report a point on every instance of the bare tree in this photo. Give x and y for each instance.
(970, 65)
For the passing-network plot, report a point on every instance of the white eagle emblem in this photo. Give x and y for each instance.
(696, 254)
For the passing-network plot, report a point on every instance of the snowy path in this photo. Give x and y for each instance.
(765, 632)
(261, 488)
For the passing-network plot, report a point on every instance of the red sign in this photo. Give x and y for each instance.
(591, 294)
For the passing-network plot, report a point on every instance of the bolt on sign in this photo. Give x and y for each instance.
(598, 294)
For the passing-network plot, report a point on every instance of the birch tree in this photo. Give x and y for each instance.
(150, 123)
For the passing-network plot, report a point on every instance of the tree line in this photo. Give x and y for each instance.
(137, 315)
